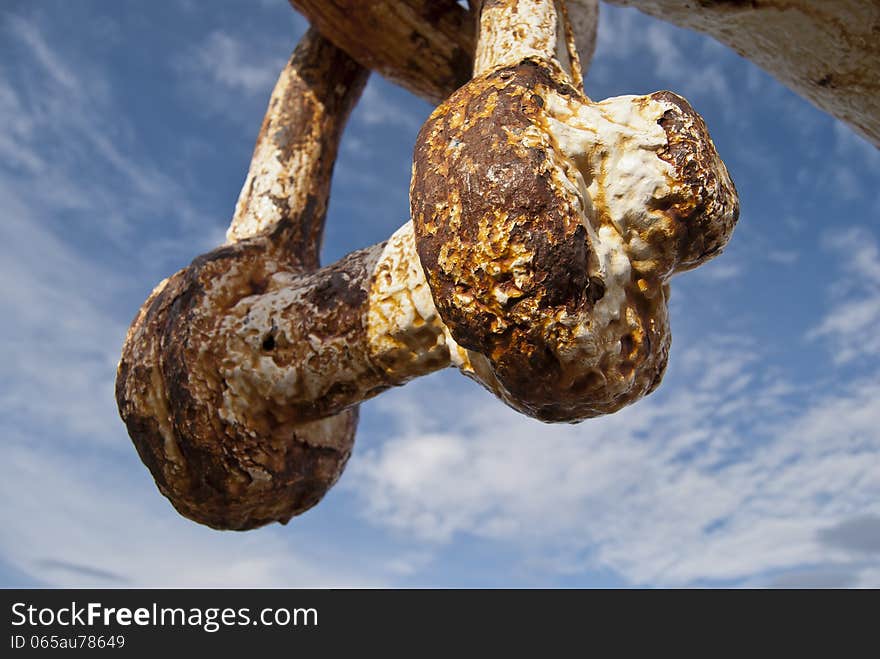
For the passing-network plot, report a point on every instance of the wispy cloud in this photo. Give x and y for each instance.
(721, 270)
(782, 256)
(61, 339)
(116, 530)
(71, 134)
(718, 478)
(853, 316)
(234, 64)
(375, 108)
(230, 73)
(668, 52)
(72, 197)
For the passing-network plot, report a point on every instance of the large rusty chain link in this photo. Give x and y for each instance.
(545, 228)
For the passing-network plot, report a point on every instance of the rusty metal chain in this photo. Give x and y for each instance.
(544, 230)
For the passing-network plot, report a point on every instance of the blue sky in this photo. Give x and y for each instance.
(125, 134)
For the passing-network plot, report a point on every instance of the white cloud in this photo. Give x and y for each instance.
(60, 342)
(721, 270)
(86, 522)
(782, 256)
(717, 478)
(230, 73)
(238, 65)
(29, 33)
(853, 316)
(375, 108)
(72, 195)
(848, 145)
(71, 135)
(660, 41)
(625, 34)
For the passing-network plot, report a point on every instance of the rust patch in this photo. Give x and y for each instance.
(221, 469)
(502, 247)
(704, 208)
(213, 470)
(503, 235)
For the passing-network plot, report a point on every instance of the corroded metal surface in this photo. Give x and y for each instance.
(426, 46)
(549, 225)
(828, 51)
(218, 465)
(287, 186)
(511, 30)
